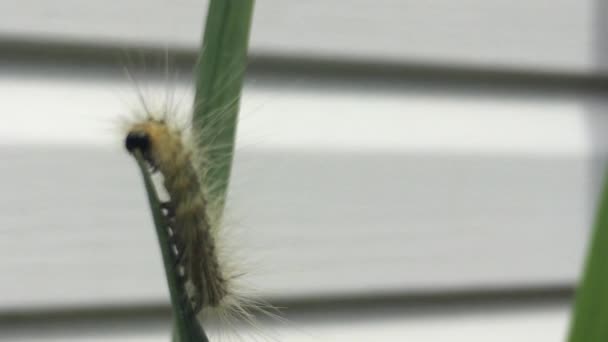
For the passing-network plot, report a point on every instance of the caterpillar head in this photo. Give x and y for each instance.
(137, 140)
(146, 137)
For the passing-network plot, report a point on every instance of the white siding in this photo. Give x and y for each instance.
(535, 35)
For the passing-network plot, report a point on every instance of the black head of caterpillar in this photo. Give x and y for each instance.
(140, 141)
(137, 141)
(139, 138)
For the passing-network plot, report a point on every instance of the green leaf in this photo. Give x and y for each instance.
(590, 316)
(186, 327)
(221, 68)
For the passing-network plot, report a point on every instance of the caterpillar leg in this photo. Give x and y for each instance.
(168, 209)
(178, 249)
(179, 257)
(197, 303)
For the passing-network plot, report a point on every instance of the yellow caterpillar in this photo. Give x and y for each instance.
(187, 209)
(209, 276)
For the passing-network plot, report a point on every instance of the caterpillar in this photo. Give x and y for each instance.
(213, 288)
(187, 209)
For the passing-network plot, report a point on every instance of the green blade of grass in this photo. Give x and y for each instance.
(186, 327)
(220, 73)
(590, 317)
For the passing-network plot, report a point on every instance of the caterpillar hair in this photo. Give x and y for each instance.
(211, 281)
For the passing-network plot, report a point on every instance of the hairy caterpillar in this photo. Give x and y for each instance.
(187, 209)
(212, 282)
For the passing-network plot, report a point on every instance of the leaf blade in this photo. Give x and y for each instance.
(590, 311)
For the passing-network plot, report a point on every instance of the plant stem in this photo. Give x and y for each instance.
(186, 327)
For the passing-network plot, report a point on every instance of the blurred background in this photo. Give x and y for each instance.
(405, 170)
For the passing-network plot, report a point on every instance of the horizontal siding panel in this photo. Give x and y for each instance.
(500, 324)
(315, 225)
(537, 35)
(337, 189)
